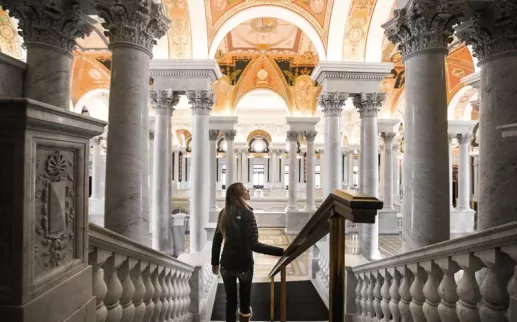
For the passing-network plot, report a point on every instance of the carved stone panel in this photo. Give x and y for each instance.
(6, 220)
(54, 210)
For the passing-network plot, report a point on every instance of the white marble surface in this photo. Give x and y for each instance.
(464, 173)
(497, 156)
(231, 162)
(127, 185)
(292, 137)
(212, 155)
(332, 152)
(426, 195)
(310, 205)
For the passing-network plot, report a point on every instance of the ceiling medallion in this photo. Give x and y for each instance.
(264, 24)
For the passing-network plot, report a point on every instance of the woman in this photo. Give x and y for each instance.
(238, 228)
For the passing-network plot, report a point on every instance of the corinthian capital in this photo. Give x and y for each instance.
(50, 22)
(369, 104)
(423, 24)
(333, 102)
(213, 135)
(200, 101)
(163, 101)
(310, 136)
(230, 135)
(493, 31)
(139, 22)
(292, 136)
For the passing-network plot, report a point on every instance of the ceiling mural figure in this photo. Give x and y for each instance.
(316, 12)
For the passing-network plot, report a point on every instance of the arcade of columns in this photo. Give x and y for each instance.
(422, 34)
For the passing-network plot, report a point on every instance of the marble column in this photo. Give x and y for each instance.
(475, 178)
(368, 105)
(177, 166)
(387, 137)
(292, 138)
(163, 102)
(301, 175)
(426, 210)
(230, 157)
(451, 191)
(346, 172)
(282, 169)
(132, 33)
(49, 30)
(245, 170)
(351, 157)
(96, 201)
(464, 173)
(497, 54)
(309, 193)
(273, 160)
(184, 177)
(201, 104)
(212, 155)
(396, 172)
(332, 103)
(322, 170)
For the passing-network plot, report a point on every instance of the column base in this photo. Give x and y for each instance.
(462, 221)
(310, 209)
(388, 221)
(295, 221)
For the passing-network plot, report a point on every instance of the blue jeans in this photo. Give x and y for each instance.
(230, 286)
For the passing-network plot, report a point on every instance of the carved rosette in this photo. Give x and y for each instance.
(369, 104)
(388, 137)
(422, 25)
(200, 101)
(493, 31)
(310, 136)
(292, 136)
(333, 102)
(139, 22)
(213, 135)
(163, 101)
(230, 135)
(54, 209)
(50, 22)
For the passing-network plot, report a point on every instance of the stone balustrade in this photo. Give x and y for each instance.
(468, 279)
(132, 282)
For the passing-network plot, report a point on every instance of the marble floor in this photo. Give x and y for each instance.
(389, 245)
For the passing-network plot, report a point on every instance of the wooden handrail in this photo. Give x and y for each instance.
(339, 206)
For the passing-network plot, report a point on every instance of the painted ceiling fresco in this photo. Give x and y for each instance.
(356, 29)
(10, 43)
(317, 12)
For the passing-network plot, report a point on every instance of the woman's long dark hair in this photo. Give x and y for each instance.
(234, 199)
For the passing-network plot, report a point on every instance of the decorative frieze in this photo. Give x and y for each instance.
(200, 101)
(369, 104)
(163, 101)
(138, 22)
(493, 31)
(333, 102)
(50, 22)
(423, 25)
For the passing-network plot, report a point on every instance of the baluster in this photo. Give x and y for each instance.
(405, 294)
(364, 295)
(358, 288)
(468, 288)
(140, 291)
(170, 295)
(371, 296)
(495, 299)
(155, 276)
(187, 296)
(149, 292)
(96, 259)
(512, 284)
(128, 289)
(417, 293)
(175, 296)
(385, 293)
(394, 294)
(432, 298)
(377, 296)
(112, 280)
(165, 294)
(447, 290)
(181, 295)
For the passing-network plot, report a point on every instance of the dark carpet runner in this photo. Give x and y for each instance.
(303, 302)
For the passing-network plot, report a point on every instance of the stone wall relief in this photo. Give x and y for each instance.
(55, 205)
(305, 96)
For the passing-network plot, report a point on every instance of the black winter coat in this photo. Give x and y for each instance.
(240, 243)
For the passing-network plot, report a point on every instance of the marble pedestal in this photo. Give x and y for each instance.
(388, 222)
(295, 221)
(44, 203)
(462, 221)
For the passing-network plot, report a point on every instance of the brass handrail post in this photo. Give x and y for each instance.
(272, 297)
(283, 295)
(337, 269)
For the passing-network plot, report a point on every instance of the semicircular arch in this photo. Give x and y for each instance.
(261, 133)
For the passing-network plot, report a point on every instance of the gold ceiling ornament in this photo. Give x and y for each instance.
(223, 93)
(260, 133)
(305, 96)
